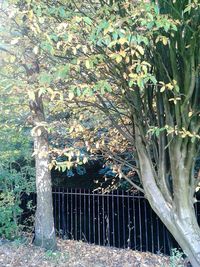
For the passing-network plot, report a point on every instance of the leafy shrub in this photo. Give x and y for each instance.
(176, 258)
(14, 183)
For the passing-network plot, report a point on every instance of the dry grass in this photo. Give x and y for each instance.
(75, 254)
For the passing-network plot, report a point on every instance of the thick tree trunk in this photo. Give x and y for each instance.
(187, 234)
(44, 222)
(178, 215)
(185, 230)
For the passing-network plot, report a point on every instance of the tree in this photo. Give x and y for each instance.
(139, 62)
(21, 68)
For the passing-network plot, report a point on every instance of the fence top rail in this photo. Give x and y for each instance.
(100, 195)
(90, 192)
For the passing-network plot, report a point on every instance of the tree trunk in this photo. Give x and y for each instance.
(44, 222)
(185, 230)
(177, 215)
(187, 234)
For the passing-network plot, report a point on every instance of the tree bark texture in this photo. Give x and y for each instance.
(44, 221)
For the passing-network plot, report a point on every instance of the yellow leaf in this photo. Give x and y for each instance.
(127, 59)
(122, 53)
(85, 160)
(132, 75)
(87, 64)
(162, 89)
(164, 40)
(97, 145)
(157, 39)
(74, 50)
(31, 95)
(140, 49)
(122, 41)
(190, 114)
(58, 45)
(69, 164)
(71, 95)
(118, 58)
(84, 48)
(30, 14)
(51, 165)
(169, 86)
(12, 59)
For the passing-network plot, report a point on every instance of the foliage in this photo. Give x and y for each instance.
(13, 185)
(176, 258)
(16, 167)
(126, 73)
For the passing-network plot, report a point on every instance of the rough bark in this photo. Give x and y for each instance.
(44, 222)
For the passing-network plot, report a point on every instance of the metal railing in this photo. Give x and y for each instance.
(120, 219)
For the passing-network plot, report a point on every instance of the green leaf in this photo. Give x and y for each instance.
(45, 78)
(87, 20)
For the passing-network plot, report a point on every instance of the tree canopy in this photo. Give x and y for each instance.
(125, 75)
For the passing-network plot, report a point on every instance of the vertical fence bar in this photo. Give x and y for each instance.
(63, 214)
(113, 220)
(94, 228)
(158, 239)
(98, 221)
(123, 221)
(108, 220)
(54, 207)
(103, 216)
(75, 214)
(89, 218)
(118, 222)
(71, 211)
(146, 231)
(152, 230)
(164, 239)
(129, 222)
(80, 215)
(67, 221)
(134, 224)
(59, 212)
(140, 222)
(84, 207)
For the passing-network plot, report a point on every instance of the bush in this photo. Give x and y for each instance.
(176, 258)
(14, 183)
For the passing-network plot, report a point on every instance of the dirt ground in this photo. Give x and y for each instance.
(76, 254)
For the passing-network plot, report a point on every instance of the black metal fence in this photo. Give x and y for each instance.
(120, 219)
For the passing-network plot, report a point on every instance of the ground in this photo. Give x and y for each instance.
(76, 254)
